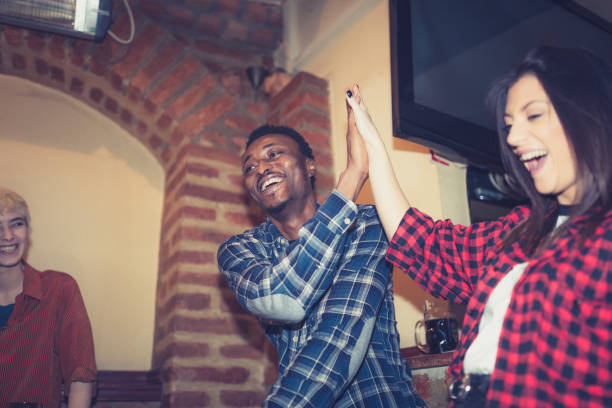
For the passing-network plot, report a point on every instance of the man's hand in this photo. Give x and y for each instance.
(356, 172)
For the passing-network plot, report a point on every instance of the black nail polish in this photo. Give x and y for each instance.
(349, 93)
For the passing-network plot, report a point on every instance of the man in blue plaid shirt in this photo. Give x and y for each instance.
(316, 278)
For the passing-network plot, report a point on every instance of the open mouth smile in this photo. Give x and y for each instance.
(8, 249)
(533, 160)
(269, 182)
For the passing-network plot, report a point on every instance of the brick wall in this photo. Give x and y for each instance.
(192, 107)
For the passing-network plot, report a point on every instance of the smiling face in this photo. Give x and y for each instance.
(537, 137)
(276, 174)
(14, 238)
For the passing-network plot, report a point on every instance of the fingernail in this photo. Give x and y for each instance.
(349, 93)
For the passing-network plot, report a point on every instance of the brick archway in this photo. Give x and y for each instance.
(192, 111)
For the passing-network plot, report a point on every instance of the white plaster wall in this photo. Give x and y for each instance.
(95, 196)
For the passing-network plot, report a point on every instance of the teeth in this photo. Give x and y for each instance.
(269, 182)
(532, 155)
(8, 248)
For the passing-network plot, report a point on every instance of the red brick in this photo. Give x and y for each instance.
(226, 375)
(188, 349)
(35, 41)
(56, 46)
(230, 304)
(256, 108)
(191, 97)
(12, 35)
(174, 80)
(208, 24)
(224, 51)
(208, 325)
(198, 234)
(77, 86)
(270, 374)
(186, 399)
(42, 68)
(116, 82)
(199, 278)
(103, 52)
(299, 82)
(153, 9)
(241, 351)
(100, 69)
(324, 159)
(241, 398)
(143, 44)
(180, 17)
(76, 58)
(190, 212)
(257, 12)
(228, 7)
(305, 98)
(160, 61)
(149, 106)
(111, 105)
(96, 95)
(307, 117)
(209, 153)
(240, 122)
(126, 116)
(142, 127)
(263, 37)
(195, 123)
(213, 137)
(246, 220)
(316, 138)
(190, 301)
(236, 180)
(164, 122)
(18, 61)
(275, 19)
(154, 141)
(235, 31)
(192, 257)
(232, 82)
(134, 94)
(165, 155)
(203, 5)
(211, 193)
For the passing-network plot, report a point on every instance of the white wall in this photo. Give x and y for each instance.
(95, 196)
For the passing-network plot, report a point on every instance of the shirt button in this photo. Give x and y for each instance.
(347, 221)
(295, 339)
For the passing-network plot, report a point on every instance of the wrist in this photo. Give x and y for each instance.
(350, 182)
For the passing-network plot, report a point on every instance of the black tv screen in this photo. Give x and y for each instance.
(446, 53)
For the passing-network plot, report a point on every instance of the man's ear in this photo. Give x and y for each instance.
(311, 167)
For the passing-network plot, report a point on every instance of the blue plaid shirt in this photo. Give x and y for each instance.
(325, 301)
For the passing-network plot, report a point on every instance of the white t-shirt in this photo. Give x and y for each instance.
(481, 355)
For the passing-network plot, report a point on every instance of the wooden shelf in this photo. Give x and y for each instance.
(417, 359)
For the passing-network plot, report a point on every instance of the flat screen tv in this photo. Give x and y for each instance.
(446, 53)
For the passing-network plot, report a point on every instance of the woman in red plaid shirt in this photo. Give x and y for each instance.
(538, 281)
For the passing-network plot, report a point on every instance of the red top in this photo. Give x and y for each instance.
(555, 347)
(46, 341)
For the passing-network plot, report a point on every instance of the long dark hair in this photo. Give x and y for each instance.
(579, 85)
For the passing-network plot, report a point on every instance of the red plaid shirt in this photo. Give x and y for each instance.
(555, 347)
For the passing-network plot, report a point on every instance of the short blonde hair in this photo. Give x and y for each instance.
(11, 201)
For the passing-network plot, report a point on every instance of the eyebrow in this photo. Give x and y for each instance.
(244, 159)
(19, 219)
(526, 106)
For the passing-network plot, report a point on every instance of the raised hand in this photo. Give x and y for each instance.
(363, 121)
